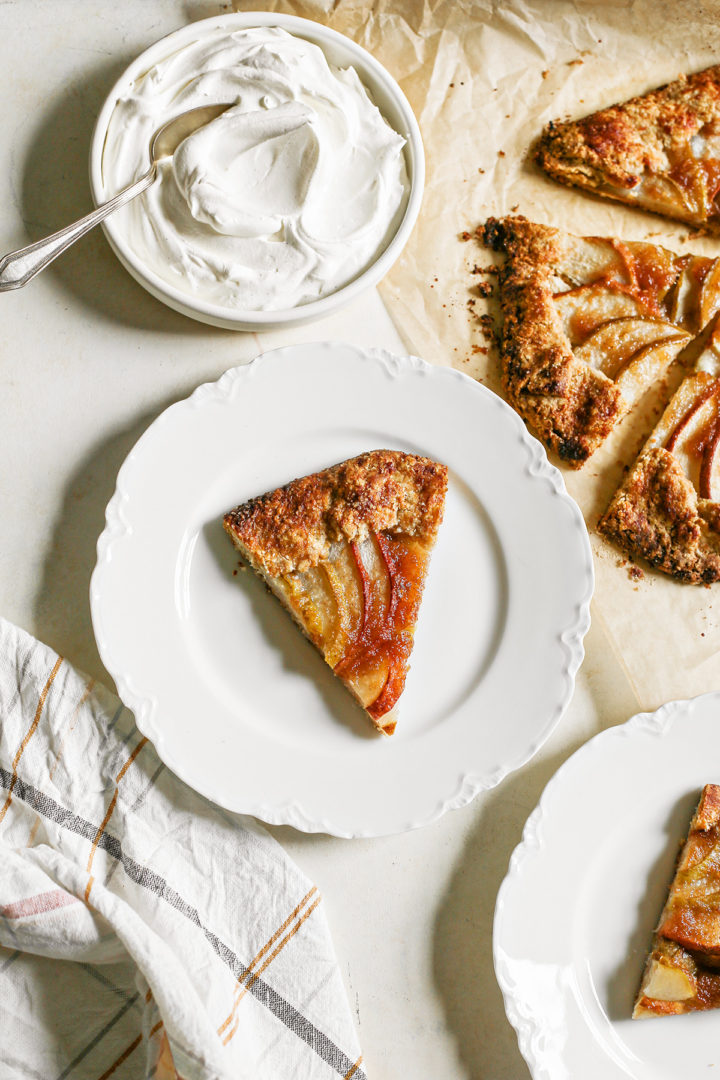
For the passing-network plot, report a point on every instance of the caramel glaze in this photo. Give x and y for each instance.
(385, 631)
(649, 281)
(685, 171)
(705, 442)
(693, 921)
(711, 168)
(707, 990)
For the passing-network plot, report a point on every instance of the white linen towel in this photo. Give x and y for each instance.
(144, 932)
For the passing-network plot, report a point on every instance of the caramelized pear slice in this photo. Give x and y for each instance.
(665, 983)
(684, 300)
(647, 365)
(710, 294)
(661, 195)
(690, 431)
(586, 259)
(614, 343)
(344, 584)
(584, 309)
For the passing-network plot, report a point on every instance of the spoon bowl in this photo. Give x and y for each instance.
(167, 138)
(19, 267)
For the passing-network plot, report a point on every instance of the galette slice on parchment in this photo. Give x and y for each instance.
(667, 508)
(590, 324)
(659, 151)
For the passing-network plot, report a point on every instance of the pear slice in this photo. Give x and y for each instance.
(684, 302)
(647, 365)
(665, 983)
(584, 309)
(710, 294)
(615, 342)
(589, 258)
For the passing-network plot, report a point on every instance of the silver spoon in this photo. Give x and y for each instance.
(21, 266)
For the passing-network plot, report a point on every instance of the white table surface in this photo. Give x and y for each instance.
(88, 361)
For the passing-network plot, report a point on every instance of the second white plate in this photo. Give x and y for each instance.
(586, 886)
(244, 709)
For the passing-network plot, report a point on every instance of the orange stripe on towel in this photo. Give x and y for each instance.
(31, 731)
(268, 944)
(354, 1069)
(255, 975)
(108, 815)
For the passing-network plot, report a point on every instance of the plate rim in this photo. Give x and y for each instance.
(292, 812)
(658, 722)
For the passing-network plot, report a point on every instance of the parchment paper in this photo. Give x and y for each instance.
(483, 79)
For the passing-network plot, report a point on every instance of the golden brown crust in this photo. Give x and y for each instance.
(572, 405)
(656, 515)
(666, 510)
(294, 527)
(681, 973)
(614, 150)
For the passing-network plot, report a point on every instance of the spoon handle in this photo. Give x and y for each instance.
(21, 266)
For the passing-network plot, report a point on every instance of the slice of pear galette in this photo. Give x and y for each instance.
(667, 508)
(659, 151)
(589, 324)
(346, 550)
(682, 971)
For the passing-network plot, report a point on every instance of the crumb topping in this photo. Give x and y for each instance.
(383, 491)
(657, 515)
(572, 406)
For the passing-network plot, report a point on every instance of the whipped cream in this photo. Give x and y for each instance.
(284, 198)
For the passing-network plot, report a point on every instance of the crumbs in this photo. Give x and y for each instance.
(634, 572)
(480, 290)
(487, 326)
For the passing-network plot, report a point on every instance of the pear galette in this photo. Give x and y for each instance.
(659, 151)
(346, 550)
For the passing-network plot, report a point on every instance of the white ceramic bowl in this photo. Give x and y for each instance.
(339, 50)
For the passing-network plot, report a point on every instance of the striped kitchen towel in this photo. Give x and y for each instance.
(144, 932)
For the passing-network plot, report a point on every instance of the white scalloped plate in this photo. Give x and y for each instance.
(575, 914)
(237, 702)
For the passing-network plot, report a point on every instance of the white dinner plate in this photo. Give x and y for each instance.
(237, 702)
(585, 888)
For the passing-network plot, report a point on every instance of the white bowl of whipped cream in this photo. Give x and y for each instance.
(290, 203)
